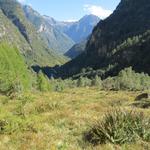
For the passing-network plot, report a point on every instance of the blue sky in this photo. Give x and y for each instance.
(72, 9)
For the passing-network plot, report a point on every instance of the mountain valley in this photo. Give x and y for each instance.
(74, 85)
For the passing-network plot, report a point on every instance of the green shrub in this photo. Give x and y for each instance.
(15, 124)
(83, 82)
(128, 79)
(119, 127)
(42, 82)
(80, 82)
(59, 85)
(97, 82)
(109, 84)
(14, 75)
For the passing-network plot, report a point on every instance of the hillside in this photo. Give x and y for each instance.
(120, 41)
(18, 31)
(14, 74)
(54, 38)
(76, 50)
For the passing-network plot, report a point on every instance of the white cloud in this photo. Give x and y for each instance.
(97, 10)
(21, 1)
(71, 20)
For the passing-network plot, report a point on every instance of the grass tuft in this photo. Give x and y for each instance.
(119, 127)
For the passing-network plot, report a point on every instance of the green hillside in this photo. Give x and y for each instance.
(13, 71)
(120, 41)
(76, 50)
(17, 30)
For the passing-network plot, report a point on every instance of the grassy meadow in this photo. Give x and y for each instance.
(58, 120)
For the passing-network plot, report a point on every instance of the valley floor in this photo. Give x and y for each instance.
(57, 121)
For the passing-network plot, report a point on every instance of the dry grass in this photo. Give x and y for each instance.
(56, 121)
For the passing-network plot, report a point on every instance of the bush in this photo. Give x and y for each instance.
(97, 82)
(119, 127)
(11, 125)
(128, 79)
(109, 84)
(42, 82)
(58, 85)
(83, 82)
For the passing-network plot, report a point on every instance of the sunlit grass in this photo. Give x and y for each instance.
(57, 120)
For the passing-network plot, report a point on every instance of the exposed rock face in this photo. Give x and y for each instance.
(55, 39)
(81, 29)
(76, 30)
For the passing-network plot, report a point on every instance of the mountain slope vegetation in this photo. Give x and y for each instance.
(120, 41)
(23, 34)
(76, 50)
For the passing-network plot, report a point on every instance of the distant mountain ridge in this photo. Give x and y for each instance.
(54, 38)
(78, 30)
(61, 35)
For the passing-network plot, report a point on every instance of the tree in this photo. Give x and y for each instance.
(42, 82)
(97, 82)
(80, 82)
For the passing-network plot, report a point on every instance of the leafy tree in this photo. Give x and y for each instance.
(128, 80)
(80, 82)
(97, 82)
(14, 75)
(42, 82)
